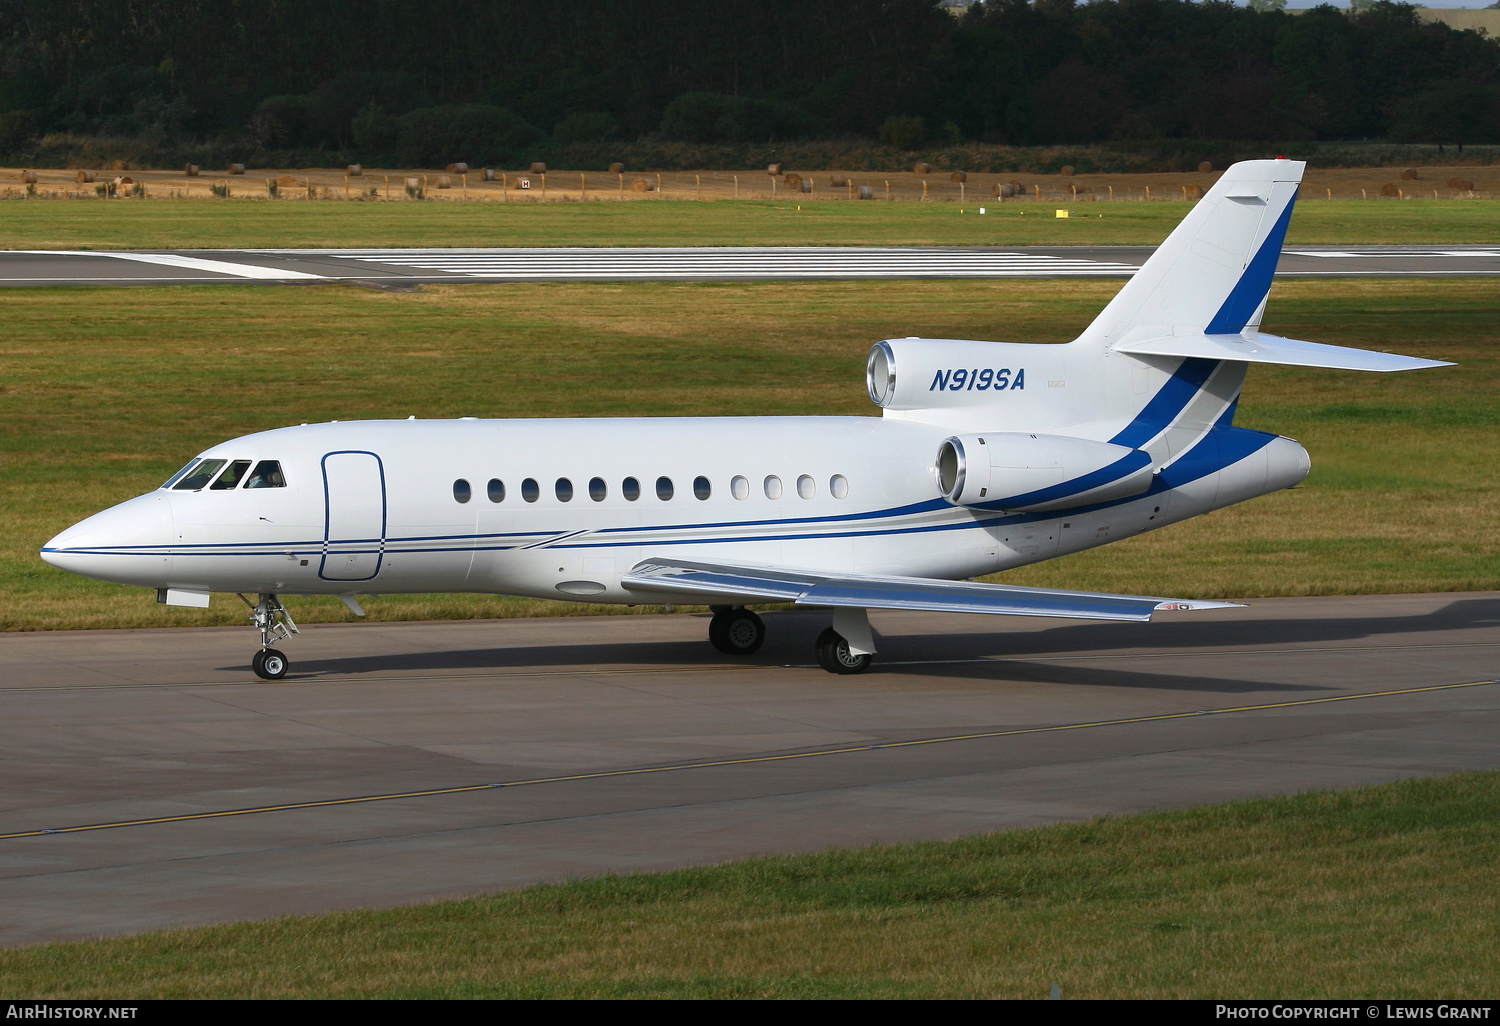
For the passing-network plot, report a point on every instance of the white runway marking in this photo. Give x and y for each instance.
(190, 263)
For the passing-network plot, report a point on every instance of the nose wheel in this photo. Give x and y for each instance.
(275, 624)
(269, 664)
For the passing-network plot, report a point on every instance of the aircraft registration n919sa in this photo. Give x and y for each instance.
(986, 456)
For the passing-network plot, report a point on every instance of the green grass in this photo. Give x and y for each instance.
(1380, 892)
(165, 224)
(107, 391)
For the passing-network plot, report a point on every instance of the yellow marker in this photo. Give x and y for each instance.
(1062, 213)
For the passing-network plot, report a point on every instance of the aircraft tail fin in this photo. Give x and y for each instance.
(1212, 274)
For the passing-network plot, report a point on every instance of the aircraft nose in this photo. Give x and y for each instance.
(129, 543)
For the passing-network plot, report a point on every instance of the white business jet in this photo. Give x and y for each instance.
(986, 456)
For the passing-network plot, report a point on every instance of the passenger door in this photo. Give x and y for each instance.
(354, 526)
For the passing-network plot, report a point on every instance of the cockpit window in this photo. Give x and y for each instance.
(178, 476)
(230, 477)
(201, 475)
(267, 474)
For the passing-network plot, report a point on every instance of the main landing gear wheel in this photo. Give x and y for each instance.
(736, 631)
(835, 657)
(270, 664)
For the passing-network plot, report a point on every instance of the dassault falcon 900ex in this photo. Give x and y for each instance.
(986, 456)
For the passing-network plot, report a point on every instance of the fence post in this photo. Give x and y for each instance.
(1111, 193)
(504, 188)
(583, 186)
(658, 186)
(887, 189)
(961, 193)
(1038, 189)
(346, 187)
(924, 190)
(736, 186)
(465, 180)
(698, 187)
(544, 187)
(622, 185)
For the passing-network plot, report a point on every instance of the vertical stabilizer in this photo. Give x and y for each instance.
(1212, 274)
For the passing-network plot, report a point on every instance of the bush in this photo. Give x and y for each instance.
(281, 121)
(903, 131)
(713, 117)
(373, 130)
(474, 132)
(585, 127)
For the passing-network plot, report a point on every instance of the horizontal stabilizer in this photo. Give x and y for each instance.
(1260, 348)
(747, 583)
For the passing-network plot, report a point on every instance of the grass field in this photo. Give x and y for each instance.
(235, 224)
(1382, 892)
(107, 391)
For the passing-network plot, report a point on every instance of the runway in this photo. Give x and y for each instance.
(407, 268)
(408, 762)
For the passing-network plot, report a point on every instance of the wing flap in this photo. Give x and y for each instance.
(748, 583)
(1261, 348)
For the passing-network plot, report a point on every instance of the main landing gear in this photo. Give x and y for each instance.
(275, 624)
(846, 647)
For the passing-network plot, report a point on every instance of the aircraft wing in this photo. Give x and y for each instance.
(741, 583)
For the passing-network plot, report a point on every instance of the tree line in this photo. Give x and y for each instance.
(389, 81)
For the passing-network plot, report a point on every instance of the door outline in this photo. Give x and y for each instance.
(328, 510)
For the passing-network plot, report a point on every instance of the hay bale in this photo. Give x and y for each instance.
(119, 165)
(125, 180)
(921, 167)
(236, 169)
(1004, 190)
(959, 176)
(444, 182)
(867, 192)
(538, 167)
(1204, 167)
(1409, 175)
(1194, 192)
(1390, 189)
(191, 170)
(1017, 186)
(792, 180)
(1066, 170)
(1462, 184)
(806, 185)
(489, 174)
(841, 181)
(286, 180)
(617, 168)
(458, 167)
(773, 169)
(28, 177)
(411, 183)
(85, 176)
(354, 170)
(640, 185)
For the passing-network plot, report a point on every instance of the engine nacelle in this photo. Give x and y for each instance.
(1015, 471)
(941, 373)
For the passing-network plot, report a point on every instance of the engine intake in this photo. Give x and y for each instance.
(1020, 472)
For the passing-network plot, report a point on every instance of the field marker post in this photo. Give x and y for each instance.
(850, 182)
(773, 188)
(544, 187)
(698, 186)
(1363, 194)
(346, 187)
(387, 186)
(888, 189)
(1038, 189)
(504, 186)
(583, 186)
(1111, 193)
(658, 186)
(1148, 194)
(924, 190)
(465, 179)
(736, 186)
(961, 192)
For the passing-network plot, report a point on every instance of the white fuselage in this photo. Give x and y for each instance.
(371, 507)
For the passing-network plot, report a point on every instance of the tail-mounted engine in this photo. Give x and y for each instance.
(1010, 470)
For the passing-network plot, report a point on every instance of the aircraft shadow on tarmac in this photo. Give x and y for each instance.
(791, 633)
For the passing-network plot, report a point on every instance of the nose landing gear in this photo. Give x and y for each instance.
(275, 624)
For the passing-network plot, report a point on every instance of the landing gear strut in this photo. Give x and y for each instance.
(275, 624)
(736, 631)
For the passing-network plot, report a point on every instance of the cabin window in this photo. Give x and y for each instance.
(530, 490)
(564, 490)
(231, 476)
(806, 487)
(461, 490)
(202, 474)
(597, 489)
(773, 487)
(664, 488)
(495, 490)
(181, 473)
(701, 488)
(267, 474)
(631, 489)
(838, 486)
(739, 487)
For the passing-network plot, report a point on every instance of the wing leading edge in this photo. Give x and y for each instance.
(748, 583)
